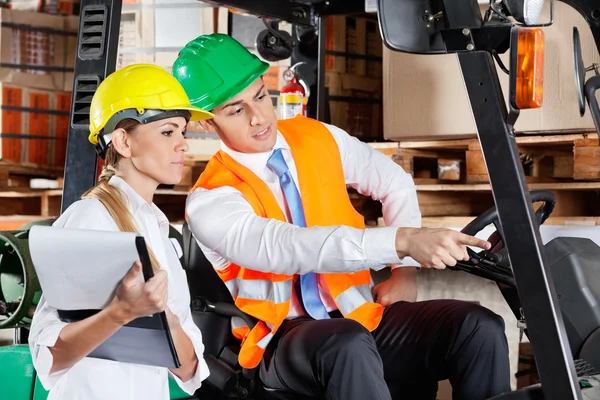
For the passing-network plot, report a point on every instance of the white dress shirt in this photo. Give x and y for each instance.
(93, 378)
(228, 230)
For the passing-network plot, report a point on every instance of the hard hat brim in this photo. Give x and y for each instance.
(196, 114)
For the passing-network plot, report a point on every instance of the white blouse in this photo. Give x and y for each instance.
(93, 378)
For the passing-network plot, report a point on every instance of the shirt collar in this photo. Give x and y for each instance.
(136, 203)
(256, 162)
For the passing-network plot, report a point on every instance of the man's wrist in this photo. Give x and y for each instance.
(402, 241)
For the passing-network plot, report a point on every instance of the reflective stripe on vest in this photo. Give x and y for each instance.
(353, 297)
(277, 292)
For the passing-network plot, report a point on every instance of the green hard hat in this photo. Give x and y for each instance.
(214, 68)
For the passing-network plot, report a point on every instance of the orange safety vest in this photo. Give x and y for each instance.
(266, 296)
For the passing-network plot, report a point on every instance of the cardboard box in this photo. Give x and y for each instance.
(425, 98)
(335, 40)
(374, 45)
(346, 34)
(69, 7)
(34, 125)
(62, 7)
(374, 68)
(361, 119)
(352, 85)
(356, 43)
(155, 35)
(32, 49)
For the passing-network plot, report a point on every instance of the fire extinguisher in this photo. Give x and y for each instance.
(293, 97)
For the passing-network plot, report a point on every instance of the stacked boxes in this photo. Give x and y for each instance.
(35, 124)
(62, 7)
(354, 83)
(362, 117)
(37, 54)
(374, 68)
(149, 34)
(347, 36)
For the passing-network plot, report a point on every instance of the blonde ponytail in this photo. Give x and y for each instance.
(112, 197)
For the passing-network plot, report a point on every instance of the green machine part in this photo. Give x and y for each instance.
(17, 375)
(18, 380)
(19, 287)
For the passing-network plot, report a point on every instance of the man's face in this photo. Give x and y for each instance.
(247, 123)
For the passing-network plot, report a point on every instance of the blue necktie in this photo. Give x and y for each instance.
(308, 282)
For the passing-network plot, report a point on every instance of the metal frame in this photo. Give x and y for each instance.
(515, 211)
(509, 187)
(521, 232)
(96, 58)
(290, 11)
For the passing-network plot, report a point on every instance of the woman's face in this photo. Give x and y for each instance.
(156, 150)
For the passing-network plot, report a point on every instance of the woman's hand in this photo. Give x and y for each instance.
(135, 298)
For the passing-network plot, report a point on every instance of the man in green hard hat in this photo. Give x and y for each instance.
(272, 214)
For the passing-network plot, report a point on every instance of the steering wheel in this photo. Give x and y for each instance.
(494, 264)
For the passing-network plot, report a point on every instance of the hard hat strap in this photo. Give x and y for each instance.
(105, 136)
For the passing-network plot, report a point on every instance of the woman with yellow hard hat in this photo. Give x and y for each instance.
(138, 118)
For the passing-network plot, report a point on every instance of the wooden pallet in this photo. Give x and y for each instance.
(19, 175)
(444, 165)
(545, 158)
(460, 222)
(453, 205)
(45, 203)
(14, 204)
(573, 199)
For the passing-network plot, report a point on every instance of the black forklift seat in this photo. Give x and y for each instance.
(212, 310)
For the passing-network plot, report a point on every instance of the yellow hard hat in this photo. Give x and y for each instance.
(143, 92)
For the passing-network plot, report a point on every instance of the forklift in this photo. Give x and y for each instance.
(553, 289)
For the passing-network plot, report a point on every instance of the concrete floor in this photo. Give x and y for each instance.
(6, 336)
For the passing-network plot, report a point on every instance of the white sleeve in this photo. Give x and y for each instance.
(373, 174)
(223, 221)
(44, 331)
(192, 331)
(45, 325)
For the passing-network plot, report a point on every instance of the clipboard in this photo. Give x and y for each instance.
(145, 340)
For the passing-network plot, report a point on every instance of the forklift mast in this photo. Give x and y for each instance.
(96, 58)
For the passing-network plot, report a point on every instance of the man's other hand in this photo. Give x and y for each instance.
(400, 286)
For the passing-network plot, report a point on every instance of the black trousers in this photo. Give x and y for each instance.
(415, 346)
